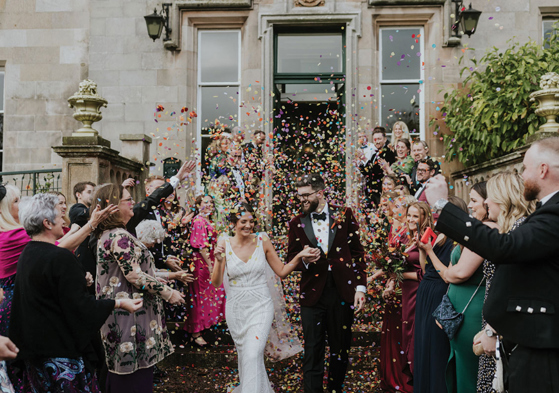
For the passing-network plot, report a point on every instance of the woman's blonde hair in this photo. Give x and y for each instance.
(7, 221)
(506, 189)
(404, 127)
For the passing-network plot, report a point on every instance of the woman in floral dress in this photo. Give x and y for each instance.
(134, 342)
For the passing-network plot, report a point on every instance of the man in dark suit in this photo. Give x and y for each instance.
(333, 283)
(157, 190)
(419, 151)
(254, 155)
(523, 302)
(372, 169)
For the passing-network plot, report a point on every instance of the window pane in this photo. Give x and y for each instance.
(219, 56)
(220, 105)
(548, 29)
(1, 91)
(401, 54)
(302, 53)
(400, 103)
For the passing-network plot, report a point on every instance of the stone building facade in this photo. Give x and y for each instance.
(237, 62)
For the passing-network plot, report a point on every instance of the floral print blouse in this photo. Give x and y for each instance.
(138, 340)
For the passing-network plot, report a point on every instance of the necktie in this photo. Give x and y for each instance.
(319, 216)
(538, 205)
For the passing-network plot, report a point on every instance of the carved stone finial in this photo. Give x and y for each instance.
(87, 104)
(549, 81)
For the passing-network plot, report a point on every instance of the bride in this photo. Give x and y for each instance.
(251, 308)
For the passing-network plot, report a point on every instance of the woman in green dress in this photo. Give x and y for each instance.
(467, 285)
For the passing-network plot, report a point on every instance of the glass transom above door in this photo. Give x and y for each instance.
(309, 53)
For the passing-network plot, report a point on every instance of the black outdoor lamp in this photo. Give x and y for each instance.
(156, 22)
(467, 18)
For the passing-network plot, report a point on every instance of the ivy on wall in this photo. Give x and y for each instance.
(492, 114)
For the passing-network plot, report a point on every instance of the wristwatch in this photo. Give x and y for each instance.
(489, 332)
(439, 205)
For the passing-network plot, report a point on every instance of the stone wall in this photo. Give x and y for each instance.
(49, 46)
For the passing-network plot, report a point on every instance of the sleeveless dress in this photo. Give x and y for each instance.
(462, 367)
(249, 312)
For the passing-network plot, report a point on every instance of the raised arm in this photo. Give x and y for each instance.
(219, 267)
(72, 241)
(427, 250)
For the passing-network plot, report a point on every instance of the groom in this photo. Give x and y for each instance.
(333, 282)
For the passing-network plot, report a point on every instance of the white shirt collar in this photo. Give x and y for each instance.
(548, 197)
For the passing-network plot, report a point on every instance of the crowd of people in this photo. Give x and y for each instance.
(469, 287)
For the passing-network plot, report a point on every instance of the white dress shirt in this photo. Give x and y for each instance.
(548, 197)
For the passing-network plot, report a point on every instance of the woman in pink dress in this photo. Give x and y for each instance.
(207, 304)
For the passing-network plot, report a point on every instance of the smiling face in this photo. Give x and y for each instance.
(379, 140)
(57, 227)
(424, 173)
(402, 150)
(477, 206)
(62, 204)
(398, 132)
(309, 198)
(125, 206)
(419, 151)
(388, 184)
(386, 206)
(413, 219)
(362, 138)
(244, 225)
(493, 209)
(399, 210)
(206, 205)
(14, 209)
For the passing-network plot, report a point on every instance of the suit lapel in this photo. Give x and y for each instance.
(307, 227)
(332, 228)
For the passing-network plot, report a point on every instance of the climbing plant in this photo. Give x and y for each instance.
(492, 114)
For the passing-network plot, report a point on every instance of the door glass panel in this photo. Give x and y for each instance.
(309, 53)
(401, 54)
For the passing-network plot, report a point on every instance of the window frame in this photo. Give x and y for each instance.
(2, 112)
(421, 81)
(200, 85)
(548, 18)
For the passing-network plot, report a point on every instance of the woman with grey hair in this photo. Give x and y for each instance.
(50, 294)
(150, 232)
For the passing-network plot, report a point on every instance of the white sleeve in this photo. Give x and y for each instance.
(361, 288)
(174, 181)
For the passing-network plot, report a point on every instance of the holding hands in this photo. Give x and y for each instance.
(310, 255)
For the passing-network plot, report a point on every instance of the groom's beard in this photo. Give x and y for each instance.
(311, 208)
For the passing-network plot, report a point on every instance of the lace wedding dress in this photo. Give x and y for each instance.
(249, 312)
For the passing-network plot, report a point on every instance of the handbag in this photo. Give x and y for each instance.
(449, 319)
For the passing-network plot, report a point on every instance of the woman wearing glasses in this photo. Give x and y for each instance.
(134, 342)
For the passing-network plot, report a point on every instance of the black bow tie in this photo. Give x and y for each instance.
(319, 216)
(538, 205)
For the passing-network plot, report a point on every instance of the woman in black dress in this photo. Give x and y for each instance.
(432, 346)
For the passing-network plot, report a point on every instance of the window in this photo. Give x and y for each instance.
(401, 77)
(549, 27)
(219, 79)
(2, 73)
(309, 53)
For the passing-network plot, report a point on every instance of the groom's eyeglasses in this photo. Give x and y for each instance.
(303, 197)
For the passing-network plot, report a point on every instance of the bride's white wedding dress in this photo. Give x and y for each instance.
(249, 312)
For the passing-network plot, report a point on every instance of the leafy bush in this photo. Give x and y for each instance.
(492, 115)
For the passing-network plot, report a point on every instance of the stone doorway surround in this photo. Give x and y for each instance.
(322, 16)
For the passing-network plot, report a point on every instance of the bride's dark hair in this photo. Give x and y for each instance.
(239, 210)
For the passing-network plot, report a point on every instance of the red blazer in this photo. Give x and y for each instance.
(345, 255)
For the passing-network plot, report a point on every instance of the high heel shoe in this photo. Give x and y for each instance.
(199, 342)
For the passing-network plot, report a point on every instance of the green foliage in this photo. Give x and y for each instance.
(493, 114)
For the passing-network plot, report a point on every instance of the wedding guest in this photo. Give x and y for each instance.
(372, 169)
(134, 342)
(466, 292)
(419, 151)
(402, 190)
(404, 162)
(419, 218)
(50, 294)
(432, 347)
(8, 351)
(392, 357)
(254, 155)
(207, 304)
(389, 183)
(365, 150)
(217, 154)
(426, 169)
(79, 214)
(400, 130)
(506, 206)
(254, 296)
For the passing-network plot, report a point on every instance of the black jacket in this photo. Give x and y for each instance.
(372, 171)
(79, 214)
(523, 302)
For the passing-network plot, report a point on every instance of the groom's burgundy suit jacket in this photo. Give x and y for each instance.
(345, 255)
